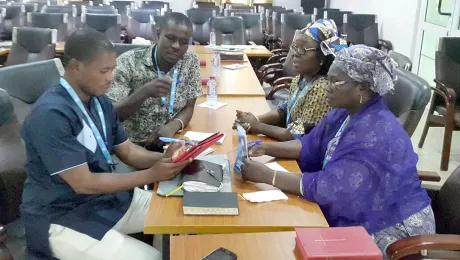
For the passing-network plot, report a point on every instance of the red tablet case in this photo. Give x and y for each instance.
(198, 148)
(336, 243)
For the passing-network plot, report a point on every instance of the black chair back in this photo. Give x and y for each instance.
(108, 24)
(309, 5)
(236, 12)
(121, 48)
(25, 83)
(122, 7)
(12, 16)
(32, 44)
(319, 12)
(229, 30)
(52, 21)
(276, 20)
(204, 4)
(253, 27)
(402, 60)
(106, 9)
(290, 23)
(201, 21)
(79, 5)
(445, 206)
(447, 66)
(29, 7)
(269, 18)
(337, 16)
(408, 102)
(362, 29)
(72, 21)
(155, 5)
(141, 23)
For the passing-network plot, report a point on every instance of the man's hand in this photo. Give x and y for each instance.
(165, 169)
(153, 141)
(176, 149)
(159, 87)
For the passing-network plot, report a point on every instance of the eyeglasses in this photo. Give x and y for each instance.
(302, 51)
(338, 83)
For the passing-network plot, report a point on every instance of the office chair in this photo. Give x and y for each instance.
(253, 27)
(201, 21)
(229, 30)
(260, 7)
(445, 103)
(121, 48)
(32, 44)
(408, 102)
(12, 16)
(203, 4)
(249, 9)
(269, 18)
(337, 16)
(52, 21)
(310, 5)
(363, 29)
(29, 7)
(25, 83)
(319, 12)
(155, 5)
(236, 12)
(276, 20)
(108, 24)
(402, 60)
(445, 244)
(122, 7)
(106, 9)
(80, 5)
(12, 177)
(290, 23)
(142, 24)
(72, 22)
(40, 4)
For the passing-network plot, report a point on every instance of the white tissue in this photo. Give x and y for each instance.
(265, 196)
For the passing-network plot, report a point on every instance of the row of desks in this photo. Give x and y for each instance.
(239, 89)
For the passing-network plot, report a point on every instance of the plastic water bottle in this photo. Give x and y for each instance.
(212, 38)
(211, 97)
(215, 64)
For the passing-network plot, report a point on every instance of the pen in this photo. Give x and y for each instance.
(174, 191)
(173, 140)
(253, 143)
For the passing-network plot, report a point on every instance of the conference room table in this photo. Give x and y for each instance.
(165, 215)
(267, 246)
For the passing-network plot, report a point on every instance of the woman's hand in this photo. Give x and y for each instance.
(256, 172)
(247, 120)
(256, 150)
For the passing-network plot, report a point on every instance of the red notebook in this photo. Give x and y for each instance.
(336, 243)
(198, 148)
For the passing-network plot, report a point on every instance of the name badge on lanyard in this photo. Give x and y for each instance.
(295, 99)
(172, 96)
(100, 141)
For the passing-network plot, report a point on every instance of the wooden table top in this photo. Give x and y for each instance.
(165, 215)
(267, 246)
(252, 53)
(240, 82)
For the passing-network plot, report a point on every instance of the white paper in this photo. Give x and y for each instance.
(141, 41)
(276, 167)
(217, 106)
(200, 136)
(6, 44)
(235, 66)
(265, 196)
(263, 159)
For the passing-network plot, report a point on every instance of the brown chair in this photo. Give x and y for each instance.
(446, 95)
(12, 172)
(32, 44)
(445, 203)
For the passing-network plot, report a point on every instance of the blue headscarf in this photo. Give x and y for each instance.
(324, 31)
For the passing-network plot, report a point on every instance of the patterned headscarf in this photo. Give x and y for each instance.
(324, 31)
(369, 66)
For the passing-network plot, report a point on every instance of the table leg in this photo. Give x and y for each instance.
(166, 246)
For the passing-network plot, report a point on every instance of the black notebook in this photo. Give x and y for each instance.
(210, 203)
(226, 56)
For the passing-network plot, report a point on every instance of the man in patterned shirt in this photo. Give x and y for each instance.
(143, 85)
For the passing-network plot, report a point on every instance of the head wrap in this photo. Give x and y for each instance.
(369, 66)
(324, 31)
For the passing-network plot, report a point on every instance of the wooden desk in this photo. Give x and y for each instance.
(240, 82)
(253, 53)
(165, 215)
(267, 246)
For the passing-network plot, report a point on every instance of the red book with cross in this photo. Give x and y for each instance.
(338, 243)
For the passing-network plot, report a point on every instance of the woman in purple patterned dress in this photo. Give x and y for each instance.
(358, 164)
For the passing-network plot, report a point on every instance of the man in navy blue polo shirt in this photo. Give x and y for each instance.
(74, 207)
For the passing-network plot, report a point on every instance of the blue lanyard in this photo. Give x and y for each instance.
(173, 86)
(96, 132)
(294, 99)
(327, 156)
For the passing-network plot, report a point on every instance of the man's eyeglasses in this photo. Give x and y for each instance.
(302, 51)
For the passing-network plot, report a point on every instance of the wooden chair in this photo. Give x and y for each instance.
(445, 100)
(445, 203)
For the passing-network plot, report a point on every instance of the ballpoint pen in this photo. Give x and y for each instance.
(173, 140)
(254, 143)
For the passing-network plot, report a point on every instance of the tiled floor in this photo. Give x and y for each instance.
(430, 154)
